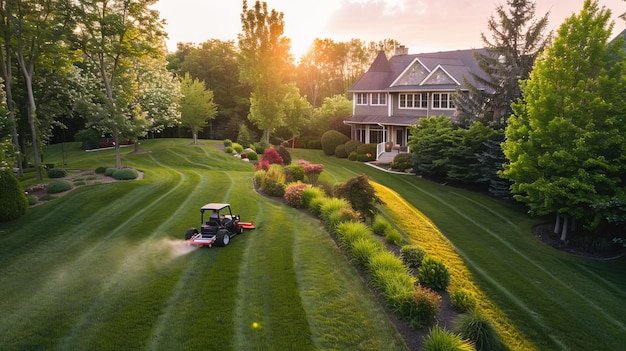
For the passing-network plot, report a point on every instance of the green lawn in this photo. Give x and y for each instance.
(104, 267)
(559, 301)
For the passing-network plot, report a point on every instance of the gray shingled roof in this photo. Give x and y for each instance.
(383, 72)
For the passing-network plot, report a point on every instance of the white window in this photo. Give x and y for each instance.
(443, 101)
(379, 99)
(361, 98)
(418, 100)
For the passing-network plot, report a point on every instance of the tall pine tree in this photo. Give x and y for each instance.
(517, 40)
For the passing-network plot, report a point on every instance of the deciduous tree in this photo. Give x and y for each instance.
(265, 63)
(197, 106)
(111, 34)
(566, 142)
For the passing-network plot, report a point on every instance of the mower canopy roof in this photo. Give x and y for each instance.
(214, 207)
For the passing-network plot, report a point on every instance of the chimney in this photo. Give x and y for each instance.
(402, 50)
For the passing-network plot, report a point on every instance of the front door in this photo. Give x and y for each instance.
(400, 137)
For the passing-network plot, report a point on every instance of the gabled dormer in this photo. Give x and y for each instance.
(414, 74)
(439, 76)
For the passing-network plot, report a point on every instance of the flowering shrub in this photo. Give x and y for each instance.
(293, 194)
(311, 170)
(434, 274)
(428, 304)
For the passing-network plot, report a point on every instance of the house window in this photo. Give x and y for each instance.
(361, 98)
(442, 101)
(379, 99)
(418, 100)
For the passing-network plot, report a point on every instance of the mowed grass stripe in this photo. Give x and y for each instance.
(150, 249)
(268, 289)
(560, 280)
(350, 318)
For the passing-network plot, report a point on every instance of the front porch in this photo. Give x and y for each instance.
(385, 156)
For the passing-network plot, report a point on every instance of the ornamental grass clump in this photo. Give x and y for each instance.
(330, 205)
(478, 328)
(383, 265)
(393, 236)
(427, 307)
(350, 232)
(59, 186)
(434, 274)
(380, 225)
(442, 340)
(363, 248)
(309, 194)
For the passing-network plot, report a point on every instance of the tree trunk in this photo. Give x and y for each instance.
(195, 137)
(137, 146)
(557, 224)
(564, 231)
(116, 138)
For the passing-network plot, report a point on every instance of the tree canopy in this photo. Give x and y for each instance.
(566, 142)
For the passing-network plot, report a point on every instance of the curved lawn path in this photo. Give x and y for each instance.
(105, 267)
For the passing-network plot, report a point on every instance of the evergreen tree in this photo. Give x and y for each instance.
(517, 40)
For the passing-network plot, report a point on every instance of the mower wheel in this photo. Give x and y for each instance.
(190, 233)
(223, 237)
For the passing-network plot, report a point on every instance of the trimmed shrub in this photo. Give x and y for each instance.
(228, 142)
(478, 328)
(393, 236)
(13, 202)
(412, 256)
(57, 173)
(252, 155)
(125, 174)
(366, 149)
(238, 148)
(109, 172)
(294, 173)
(365, 157)
(101, 169)
(340, 151)
(32, 199)
(352, 145)
(331, 139)
(402, 162)
(261, 146)
(314, 144)
(380, 225)
(284, 154)
(352, 156)
(427, 306)
(229, 149)
(434, 274)
(441, 340)
(59, 186)
(293, 194)
(462, 300)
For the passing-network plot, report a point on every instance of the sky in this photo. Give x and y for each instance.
(420, 25)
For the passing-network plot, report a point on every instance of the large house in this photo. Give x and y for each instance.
(395, 93)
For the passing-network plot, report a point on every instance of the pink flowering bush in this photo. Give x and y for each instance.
(311, 170)
(293, 194)
(427, 306)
